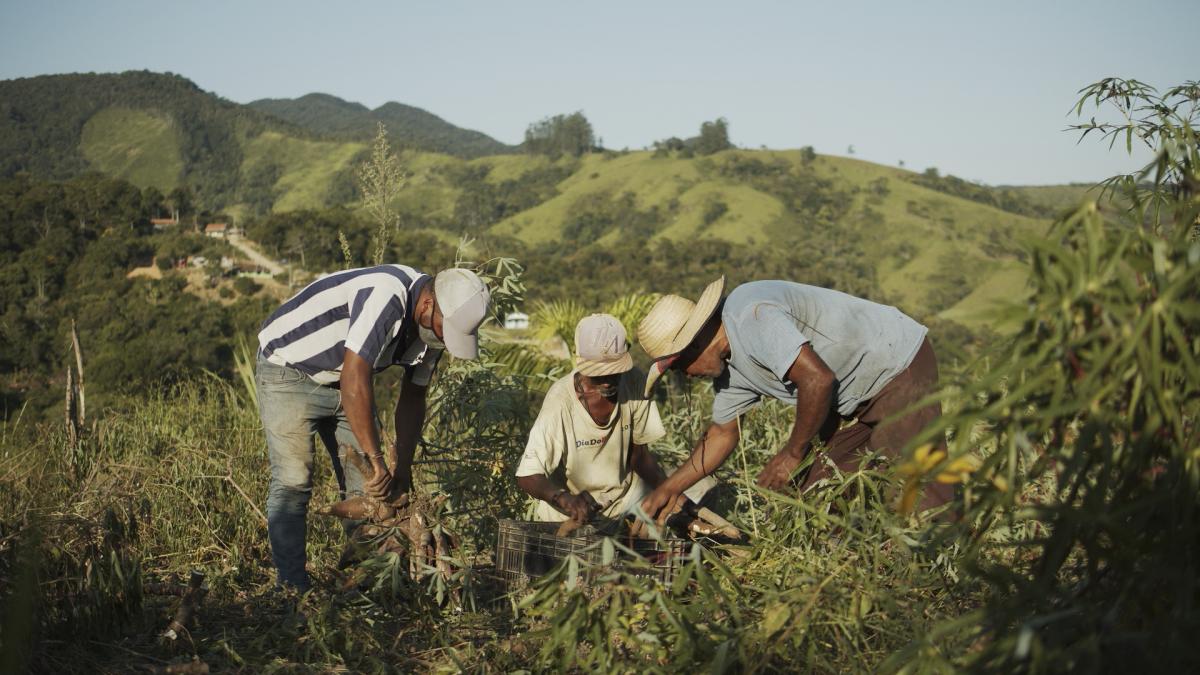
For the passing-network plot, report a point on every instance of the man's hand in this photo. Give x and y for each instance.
(777, 474)
(380, 484)
(578, 507)
(662, 503)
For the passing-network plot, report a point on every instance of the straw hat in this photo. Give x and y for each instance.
(671, 325)
(601, 347)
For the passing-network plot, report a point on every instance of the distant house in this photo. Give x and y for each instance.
(163, 223)
(516, 321)
(217, 230)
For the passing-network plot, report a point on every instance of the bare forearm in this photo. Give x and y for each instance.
(538, 487)
(713, 448)
(812, 409)
(409, 419)
(815, 384)
(358, 402)
(646, 467)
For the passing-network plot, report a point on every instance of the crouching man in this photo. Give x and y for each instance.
(587, 453)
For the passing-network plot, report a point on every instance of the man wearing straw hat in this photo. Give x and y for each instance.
(587, 452)
(836, 357)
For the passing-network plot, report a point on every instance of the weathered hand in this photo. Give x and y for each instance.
(380, 484)
(777, 474)
(661, 503)
(578, 507)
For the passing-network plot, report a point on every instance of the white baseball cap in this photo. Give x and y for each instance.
(463, 299)
(601, 347)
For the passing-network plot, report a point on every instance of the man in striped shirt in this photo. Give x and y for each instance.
(317, 357)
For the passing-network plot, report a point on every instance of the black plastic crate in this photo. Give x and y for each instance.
(526, 550)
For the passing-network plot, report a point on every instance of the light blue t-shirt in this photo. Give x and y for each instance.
(864, 343)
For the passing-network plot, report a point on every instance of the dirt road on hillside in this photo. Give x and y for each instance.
(245, 246)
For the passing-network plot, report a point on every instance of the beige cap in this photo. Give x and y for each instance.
(463, 299)
(601, 347)
(671, 325)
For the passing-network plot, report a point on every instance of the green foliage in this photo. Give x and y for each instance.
(560, 135)
(714, 137)
(671, 145)
(630, 309)
(257, 188)
(188, 464)
(482, 202)
(598, 214)
(1165, 123)
(479, 421)
(802, 191)
(64, 254)
(1085, 520)
(557, 320)
(1005, 199)
(310, 237)
(246, 286)
(833, 581)
(713, 211)
(380, 179)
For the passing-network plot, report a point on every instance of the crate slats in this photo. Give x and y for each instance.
(526, 550)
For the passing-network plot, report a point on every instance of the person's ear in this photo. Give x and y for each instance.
(425, 307)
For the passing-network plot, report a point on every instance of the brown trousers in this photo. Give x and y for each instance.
(844, 446)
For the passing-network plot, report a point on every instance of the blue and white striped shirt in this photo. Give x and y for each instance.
(366, 310)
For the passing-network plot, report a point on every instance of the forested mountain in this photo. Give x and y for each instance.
(408, 126)
(160, 128)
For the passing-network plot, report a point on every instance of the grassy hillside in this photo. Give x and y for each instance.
(138, 146)
(305, 172)
(929, 250)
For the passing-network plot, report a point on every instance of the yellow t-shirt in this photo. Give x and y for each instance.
(567, 446)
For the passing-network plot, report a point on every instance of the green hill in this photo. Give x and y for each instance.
(933, 253)
(408, 126)
(936, 245)
(154, 129)
(1054, 199)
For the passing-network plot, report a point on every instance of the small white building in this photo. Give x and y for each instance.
(516, 321)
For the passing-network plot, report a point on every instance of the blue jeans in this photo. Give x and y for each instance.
(293, 408)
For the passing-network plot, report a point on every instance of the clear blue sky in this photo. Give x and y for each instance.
(977, 89)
